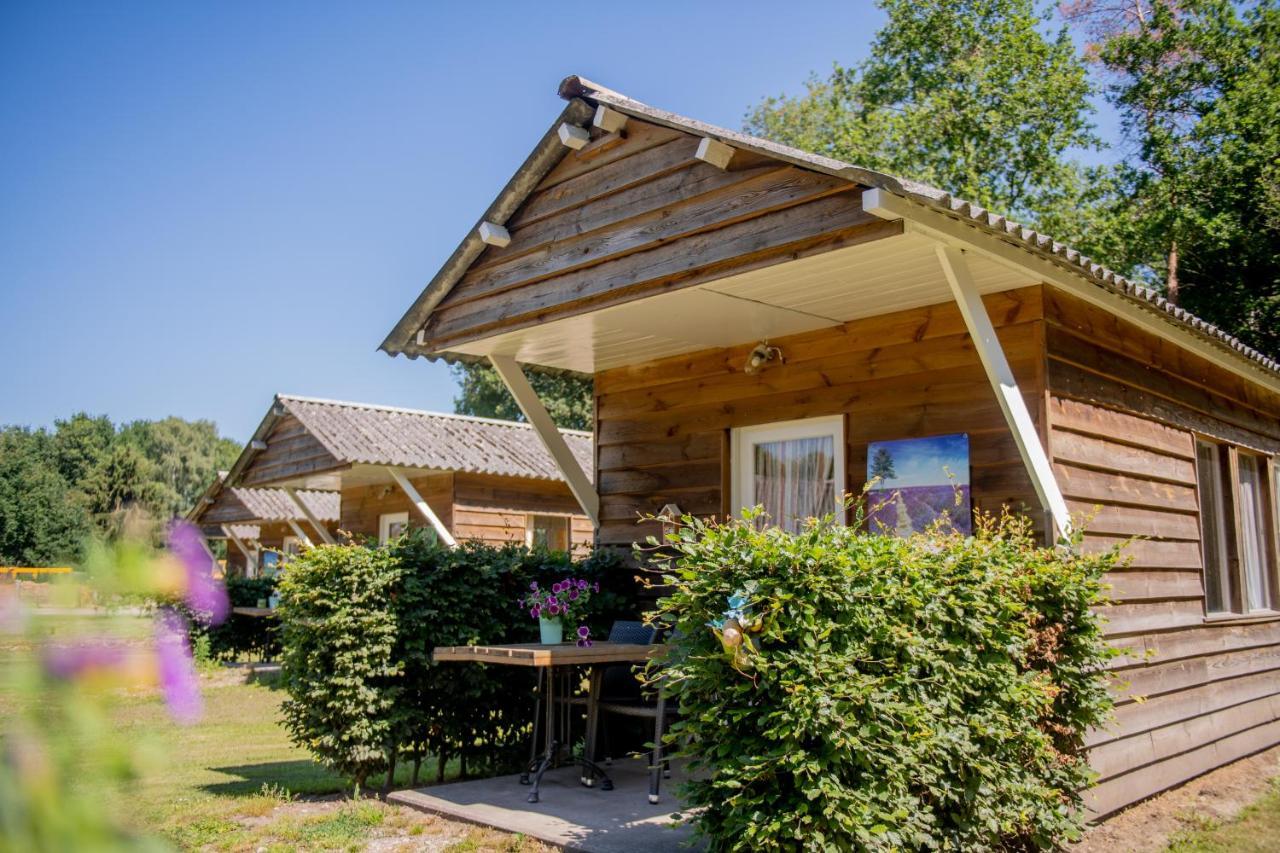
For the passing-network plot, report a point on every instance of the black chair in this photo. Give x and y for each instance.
(621, 694)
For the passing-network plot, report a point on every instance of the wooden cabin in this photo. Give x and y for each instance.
(261, 526)
(737, 300)
(464, 478)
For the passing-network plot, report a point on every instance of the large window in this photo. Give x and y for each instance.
(795, 470)
(1238, 529)
(548, 531)
(392, 525)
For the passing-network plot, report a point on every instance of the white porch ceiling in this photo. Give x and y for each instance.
(881, 277)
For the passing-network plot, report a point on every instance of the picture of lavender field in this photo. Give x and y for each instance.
(916, 481)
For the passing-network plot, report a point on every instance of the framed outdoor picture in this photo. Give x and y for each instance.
(916, 481)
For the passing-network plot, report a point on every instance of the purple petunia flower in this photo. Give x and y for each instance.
(573, 595)
(533, 584)
(535, 611)
(551, 599)
(177, 671)
(204, 594)
(582, 584)
(554, 610)
(584, 631)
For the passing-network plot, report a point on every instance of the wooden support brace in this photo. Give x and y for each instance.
(258, 444)
(573, 136)
(714, 152)
(493, 234)
(1012, 404)
(536, 414)
(299, 532)
(610, 121)
(424, 509)
(250, 556)
(325, 536)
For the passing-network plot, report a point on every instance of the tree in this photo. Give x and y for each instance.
(1197, 85)
(39, 526)
(568, 398)
(967, 95)
(184, 457)
(882, 465)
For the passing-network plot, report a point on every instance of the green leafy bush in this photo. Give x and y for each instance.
(339, 635)
(922, 693)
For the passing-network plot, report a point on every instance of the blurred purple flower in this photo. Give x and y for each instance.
(177, 670)
(533, 584)
(582, 584)
(584, 631)
(553, 610)
(204, 594)
(552, 600)
(535, 612)
(66, 661)
(557, 587)
(573, 595)
(597, 588)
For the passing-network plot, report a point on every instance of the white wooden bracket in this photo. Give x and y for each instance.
(325, 536)
(250, 556)
(573, 136)
(424, 509)
(493, 234)
(299, 532)
(536, 414)
(978, 322)
(610, 121)
(714, 152)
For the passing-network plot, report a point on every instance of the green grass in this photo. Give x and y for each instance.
(1255, 830)
(234, 781)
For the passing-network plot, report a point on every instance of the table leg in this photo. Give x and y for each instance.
(549, 706)
(540, 690)
(593, 724)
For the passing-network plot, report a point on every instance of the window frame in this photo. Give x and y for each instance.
(386, 519)
(742, 440)
(1226, 466)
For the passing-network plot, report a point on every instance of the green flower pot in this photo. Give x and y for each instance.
(552, 630)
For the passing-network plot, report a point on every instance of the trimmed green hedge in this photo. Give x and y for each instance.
(922, 693)
(358, 628)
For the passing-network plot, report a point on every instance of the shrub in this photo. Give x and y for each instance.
(242, 635)
(927, 692)
(339, 633)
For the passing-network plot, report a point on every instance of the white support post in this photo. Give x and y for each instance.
(423, 507)
(299, 532)
(250, 556)
(536, 414)
(1004, 384)
(311, 519)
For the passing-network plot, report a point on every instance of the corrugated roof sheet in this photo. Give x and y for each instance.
(385, 435)
(276, 505)
(579, 91)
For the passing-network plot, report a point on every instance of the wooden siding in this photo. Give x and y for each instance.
(291, 451)
(1123, 410)
(636, 214)
(497, 509)
(362, 506)
(663, 427)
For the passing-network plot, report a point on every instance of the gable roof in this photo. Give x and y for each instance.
(583, 96)
(369, 434)
(246, 504)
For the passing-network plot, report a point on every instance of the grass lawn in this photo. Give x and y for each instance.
(1254, 830)
(233, 781)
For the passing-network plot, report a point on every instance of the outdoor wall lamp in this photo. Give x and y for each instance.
(760, 356)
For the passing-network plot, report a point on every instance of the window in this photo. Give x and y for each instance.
(392, 525)
(290, 547)
(548, 531)
(1238, 529)
(795, 470)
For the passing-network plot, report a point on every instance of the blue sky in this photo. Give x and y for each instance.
(203, 204)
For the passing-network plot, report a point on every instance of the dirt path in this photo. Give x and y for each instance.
(1219, 795)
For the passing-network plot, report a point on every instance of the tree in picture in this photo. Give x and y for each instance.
(929, 484)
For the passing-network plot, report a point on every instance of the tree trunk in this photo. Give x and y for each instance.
(1171, 282)
(417, 766)
(440, 762)
(391, 774)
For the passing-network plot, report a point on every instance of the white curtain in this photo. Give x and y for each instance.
(1253, 559)
(795, 479)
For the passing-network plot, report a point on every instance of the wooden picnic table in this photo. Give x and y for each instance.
(254, 611)
(548, 657)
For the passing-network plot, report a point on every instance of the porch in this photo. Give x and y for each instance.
(569, 815)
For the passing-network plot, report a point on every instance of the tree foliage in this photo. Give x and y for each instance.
(568, 398)
(58, 485)
(967, 95)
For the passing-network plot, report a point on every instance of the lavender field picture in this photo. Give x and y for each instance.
(915, 481)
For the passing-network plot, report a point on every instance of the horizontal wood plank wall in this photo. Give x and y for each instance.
(291, 451)
(496, 509)
(363, 505)
(1123, 409)
(663, 427)
(641, 215)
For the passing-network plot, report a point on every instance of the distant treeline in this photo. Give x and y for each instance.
(60, 486)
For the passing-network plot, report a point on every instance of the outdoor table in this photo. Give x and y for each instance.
(254, 611)
(547, 658)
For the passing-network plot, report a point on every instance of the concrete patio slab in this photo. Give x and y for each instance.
(569, 816)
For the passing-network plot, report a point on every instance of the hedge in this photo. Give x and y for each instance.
(843, 690)
(358, 628)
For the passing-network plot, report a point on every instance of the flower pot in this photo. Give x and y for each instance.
(552, 630)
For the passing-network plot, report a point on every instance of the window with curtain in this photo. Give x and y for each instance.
(548, 531)
(1238, 524)
(795, 470)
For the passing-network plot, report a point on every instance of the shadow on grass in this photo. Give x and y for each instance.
(306, 778)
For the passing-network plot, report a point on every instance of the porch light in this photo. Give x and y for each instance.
(760, 356)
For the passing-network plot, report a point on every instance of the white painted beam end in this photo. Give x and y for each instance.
(714, 152)
(573, 136)
(493, 234)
